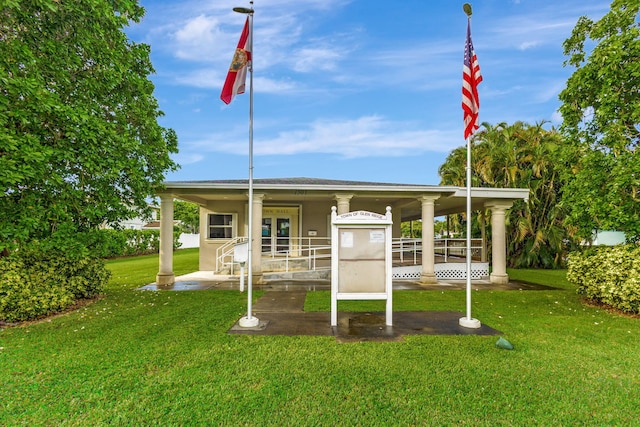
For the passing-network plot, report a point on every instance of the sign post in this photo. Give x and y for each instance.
(240, 255)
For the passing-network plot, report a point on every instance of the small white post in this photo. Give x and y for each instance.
(242, 277)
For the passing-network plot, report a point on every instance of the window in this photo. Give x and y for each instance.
(221, 226)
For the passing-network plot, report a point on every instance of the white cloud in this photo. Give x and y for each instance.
(197, 28)
(556, 118)
(197, 38)
(550, 91)
(266, 85)
(203, 31)
(211, 78)
(207, 78)
(537, 26)
(314, 59)
(528, 45)
(525, 32)
(187, 158)
(367, 136)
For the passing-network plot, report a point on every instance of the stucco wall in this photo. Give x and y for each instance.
(208, 246)
(315, 216)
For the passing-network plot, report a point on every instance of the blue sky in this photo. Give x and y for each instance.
(365, 90)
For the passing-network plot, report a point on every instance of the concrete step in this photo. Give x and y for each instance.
(298, 275)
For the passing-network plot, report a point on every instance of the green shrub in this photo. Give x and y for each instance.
(104, 243)
(610, 275)
(35, 282)
(110, 243)
(141, 242)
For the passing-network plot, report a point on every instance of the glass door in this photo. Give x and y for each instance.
(266, 234)
(283, 226)
(276, 234)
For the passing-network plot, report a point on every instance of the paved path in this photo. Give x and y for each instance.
(281, 310)
(282, 313)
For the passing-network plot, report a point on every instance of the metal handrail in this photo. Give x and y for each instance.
(457, 247)
(225, 252)
(313, 249)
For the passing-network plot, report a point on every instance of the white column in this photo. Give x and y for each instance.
(498, 241)
(256, 239)
(165, 272)
(343, 203)
(428, 257)
(483, 234)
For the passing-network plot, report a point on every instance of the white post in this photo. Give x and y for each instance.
(334, 267)
(388, 268)
(242, 277)
(446, 248)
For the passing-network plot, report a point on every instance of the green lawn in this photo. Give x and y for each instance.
(164, 358)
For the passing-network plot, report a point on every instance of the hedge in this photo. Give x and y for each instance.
(36, 282)
(610, 275)
(109, 243)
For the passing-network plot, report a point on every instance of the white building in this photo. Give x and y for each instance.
(288, 213)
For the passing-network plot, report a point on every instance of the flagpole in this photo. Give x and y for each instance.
(249, 321)
(468, 321)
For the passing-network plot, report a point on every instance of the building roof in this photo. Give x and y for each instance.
(297, 181)
(451, 199)
(283, 182)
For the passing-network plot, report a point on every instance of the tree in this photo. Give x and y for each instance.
(188, 214)
(80, 143)
(413, 229)
(601, 121)
(519, 156)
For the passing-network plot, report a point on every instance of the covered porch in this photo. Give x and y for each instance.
(291, 220)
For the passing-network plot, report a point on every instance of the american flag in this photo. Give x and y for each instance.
(471, 77)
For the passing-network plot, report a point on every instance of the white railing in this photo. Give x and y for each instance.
(457, 248)
(312, 250)
(316, 251)
(407, 247)
(310, 256)
(224, 254)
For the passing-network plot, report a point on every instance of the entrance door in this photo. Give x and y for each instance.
(276, 234)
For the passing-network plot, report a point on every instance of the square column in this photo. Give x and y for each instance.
(165, 271)
(428, 235)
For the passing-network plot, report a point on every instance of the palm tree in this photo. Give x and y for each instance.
(452, 171)
(520, 156)
(541, 235)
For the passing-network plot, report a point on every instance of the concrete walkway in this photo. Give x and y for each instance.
(281, 313)
(280, 310)
(203, 280)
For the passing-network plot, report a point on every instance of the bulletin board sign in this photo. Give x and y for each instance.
(361, 259)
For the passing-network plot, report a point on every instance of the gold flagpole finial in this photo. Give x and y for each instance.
(467, 9)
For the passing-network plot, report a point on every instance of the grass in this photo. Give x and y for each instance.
(164, 358)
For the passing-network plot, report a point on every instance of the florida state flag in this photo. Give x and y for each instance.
(237, 76)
